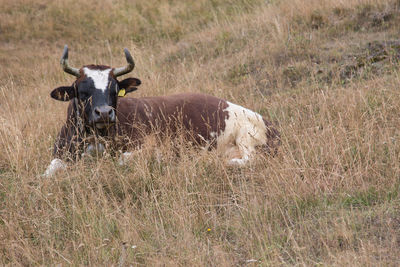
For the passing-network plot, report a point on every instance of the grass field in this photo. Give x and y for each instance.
(325, 72)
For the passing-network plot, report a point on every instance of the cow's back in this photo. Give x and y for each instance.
(201, 116)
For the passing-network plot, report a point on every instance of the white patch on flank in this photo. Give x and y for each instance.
(55, 165)
(244, 130)
(99, 77)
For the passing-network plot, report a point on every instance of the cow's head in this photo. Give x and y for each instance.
(96, 90)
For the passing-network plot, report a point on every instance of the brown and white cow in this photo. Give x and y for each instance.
(96, 110)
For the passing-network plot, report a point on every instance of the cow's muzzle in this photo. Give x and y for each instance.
(103, 115)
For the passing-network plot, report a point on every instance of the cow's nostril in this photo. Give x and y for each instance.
(103, 114)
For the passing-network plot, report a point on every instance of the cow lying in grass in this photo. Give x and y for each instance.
(98, 112)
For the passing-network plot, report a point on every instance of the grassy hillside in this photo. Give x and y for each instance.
(325, 72)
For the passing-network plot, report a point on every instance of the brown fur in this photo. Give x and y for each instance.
(195, 115)
(198, 115)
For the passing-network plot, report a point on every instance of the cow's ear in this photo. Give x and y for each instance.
(129, 84)
(63, 93)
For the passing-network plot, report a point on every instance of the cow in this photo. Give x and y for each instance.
(100, 118)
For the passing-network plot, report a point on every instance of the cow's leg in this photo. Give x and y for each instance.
(245, 156)
(55, 165)
(246, 143)
(62, 146)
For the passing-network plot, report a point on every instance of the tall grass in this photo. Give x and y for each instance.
(330, 197)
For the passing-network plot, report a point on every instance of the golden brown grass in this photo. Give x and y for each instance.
(331, 196)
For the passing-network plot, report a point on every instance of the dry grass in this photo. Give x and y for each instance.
(331, 197)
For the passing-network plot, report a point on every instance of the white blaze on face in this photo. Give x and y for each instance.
(244, 129)
(99, 77)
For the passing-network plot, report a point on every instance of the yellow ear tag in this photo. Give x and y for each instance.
(121, 93)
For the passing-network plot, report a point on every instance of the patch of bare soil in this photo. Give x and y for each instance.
(375, 57)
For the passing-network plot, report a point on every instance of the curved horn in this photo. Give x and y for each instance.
(128, 68)
(64, 63)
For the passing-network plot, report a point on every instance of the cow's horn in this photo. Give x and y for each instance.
(64, 63)
(128, 68)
